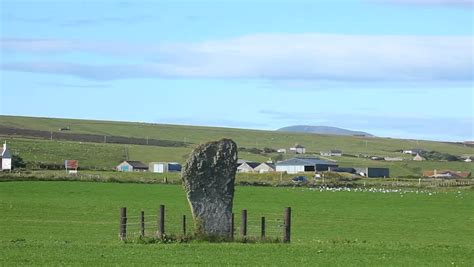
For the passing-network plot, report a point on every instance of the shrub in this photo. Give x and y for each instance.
(17, 162)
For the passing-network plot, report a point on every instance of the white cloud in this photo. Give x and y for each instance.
(325, 57)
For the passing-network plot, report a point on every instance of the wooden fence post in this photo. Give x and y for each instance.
(263, 228)
(232, 227)
(184, 225)
(142, 224)
(123, 224)
(161, 222)
(287, 233)
(243, 227)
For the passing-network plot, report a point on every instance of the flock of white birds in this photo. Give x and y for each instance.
(401, 192)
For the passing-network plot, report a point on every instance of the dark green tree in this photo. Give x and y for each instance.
(17, 162)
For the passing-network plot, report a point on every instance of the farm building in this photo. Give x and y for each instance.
(265, 167)
(5, 158)
(446, 174)
(331, 153)
(418, 158)
(132, 166)
(413, 151)
(339, 169)
(281, 150)
(297, 165)
(374, 172)
(468, 159)
(376, 158)
(247, 166)
(162, 167)
(298, 149)
(393, 159)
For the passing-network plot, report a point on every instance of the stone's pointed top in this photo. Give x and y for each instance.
(208, 179)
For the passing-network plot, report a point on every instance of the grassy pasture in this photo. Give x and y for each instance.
(107, 156)
(243, 137)
(75, 223)
(96, 155)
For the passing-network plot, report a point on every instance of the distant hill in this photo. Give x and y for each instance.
(321, 130)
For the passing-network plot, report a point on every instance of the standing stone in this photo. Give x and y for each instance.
(208, 179)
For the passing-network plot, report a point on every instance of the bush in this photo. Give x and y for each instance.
(17, 162)
(435, 155)
(269, 150)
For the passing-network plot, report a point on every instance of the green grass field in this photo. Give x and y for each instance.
(76, 223)
(107, 156)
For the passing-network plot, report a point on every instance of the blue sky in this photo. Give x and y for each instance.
(397, 68)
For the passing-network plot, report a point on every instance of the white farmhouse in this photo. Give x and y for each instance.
(418, 158)
(298, 149)
(5, 158)
(331, 153)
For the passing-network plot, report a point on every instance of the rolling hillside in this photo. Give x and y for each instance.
(322, 130)
(104, 155)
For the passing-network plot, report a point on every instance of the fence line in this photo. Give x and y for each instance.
(161, 224)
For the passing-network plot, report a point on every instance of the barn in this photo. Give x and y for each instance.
(374, 172)
(265, 167)
(132, 166)
(297, 165)
(5, 158)
(247, 166)
(162, 167)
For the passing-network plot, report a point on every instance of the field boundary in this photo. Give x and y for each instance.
(91, 138)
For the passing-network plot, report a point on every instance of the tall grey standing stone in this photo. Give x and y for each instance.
(208, 179)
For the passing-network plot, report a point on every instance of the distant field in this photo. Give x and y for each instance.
(106, 156)
(76, 223)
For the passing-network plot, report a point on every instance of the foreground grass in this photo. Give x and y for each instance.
(53, 223)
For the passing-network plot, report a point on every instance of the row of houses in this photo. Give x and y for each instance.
(300, 165)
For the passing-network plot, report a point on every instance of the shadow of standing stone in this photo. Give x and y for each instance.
(208, 179)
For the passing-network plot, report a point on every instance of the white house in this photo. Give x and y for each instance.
(413, 151)
(418, 158)
(265, 167)
(468, 159)
(331, 153)
(5, 158)
(298, 149)
(132, 166)
(282, 150)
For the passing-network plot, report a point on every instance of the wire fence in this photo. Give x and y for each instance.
(255, 226)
